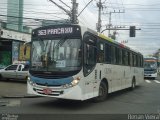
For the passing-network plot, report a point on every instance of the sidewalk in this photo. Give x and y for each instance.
(14, 89)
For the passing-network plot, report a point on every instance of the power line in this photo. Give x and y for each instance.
(28, 17)
(30, 4)
(35, 12)
(65, 4)
(84, 7)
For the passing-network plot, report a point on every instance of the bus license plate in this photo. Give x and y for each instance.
(47, 91)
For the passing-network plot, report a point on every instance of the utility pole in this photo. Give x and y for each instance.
(99, 5)
(74, 12)
(110, 24)
(71, 13)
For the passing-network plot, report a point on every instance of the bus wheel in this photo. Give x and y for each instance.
(103, 93)
(133, 84)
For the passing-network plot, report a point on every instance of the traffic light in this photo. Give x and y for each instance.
(132, 31)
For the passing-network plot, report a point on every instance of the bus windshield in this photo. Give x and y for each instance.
(56, 55)
(150, 65)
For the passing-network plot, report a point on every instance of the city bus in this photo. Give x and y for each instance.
(77, 63)
(150, 67)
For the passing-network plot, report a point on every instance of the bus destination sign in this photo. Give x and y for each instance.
(55, 31)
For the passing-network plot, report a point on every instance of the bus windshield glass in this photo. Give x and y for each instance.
(56, 55)
(150, 65)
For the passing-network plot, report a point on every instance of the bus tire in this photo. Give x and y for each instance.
(133, 85)
(103, 92)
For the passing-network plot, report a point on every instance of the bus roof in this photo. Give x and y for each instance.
(150, 59)
(111, 40)
(95, 33)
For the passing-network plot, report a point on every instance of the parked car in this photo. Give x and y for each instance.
(15, 71)
(2, 67)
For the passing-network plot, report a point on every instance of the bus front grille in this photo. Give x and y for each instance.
(51, 93)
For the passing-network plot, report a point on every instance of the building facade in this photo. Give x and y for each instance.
(12, 47)
(15, 15)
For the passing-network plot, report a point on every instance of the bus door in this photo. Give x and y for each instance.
(89, 63)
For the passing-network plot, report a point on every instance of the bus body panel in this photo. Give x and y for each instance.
(88, 87)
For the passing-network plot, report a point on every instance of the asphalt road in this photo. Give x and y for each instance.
(144, 100)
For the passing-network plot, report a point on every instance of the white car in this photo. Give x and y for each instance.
(15, 71)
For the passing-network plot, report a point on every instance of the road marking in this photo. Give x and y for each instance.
(156, 81)
(148, 81)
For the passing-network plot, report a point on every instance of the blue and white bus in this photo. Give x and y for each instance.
(74, 62)
(150, 67)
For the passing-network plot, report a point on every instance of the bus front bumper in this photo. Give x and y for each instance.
(150, 75)
(74, 93)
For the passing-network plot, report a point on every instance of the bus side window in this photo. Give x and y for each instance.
(100, 55)
(123, 57)
(113, 58)
(126, 58)
(134, 60)
(120, 56)
(131, 59)
(117, 55)
(107, 53)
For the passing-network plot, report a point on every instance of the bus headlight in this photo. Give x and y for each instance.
(75, 81)
(28, 78)
(30, 81)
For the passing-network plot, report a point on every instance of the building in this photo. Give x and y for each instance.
(12, 46)
(13, 35)
(15, 15)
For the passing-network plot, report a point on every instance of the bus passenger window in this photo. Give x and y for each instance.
(120, 56)
(107, 53)
(117, 55)
(134, 60)
(101, 53)
(113, 58)
(123, 57)
(126, 56)
(131, 60)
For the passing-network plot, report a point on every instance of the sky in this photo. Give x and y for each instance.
(144, 14)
